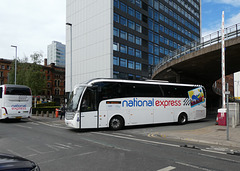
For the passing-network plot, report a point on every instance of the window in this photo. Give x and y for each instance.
(115, 46)
(116, 17)
(131, 24)
(131, 51)
(131, 11)
(156, 38)
(138, 53)
(115, 74)
(138, 40)
(116, 32)
(150, 47)
(138, 15)
(138, 66)
(150, 24)
(156, 4)
(123, 7)
(138, 28)
(139, 3)
(115, 60)
(162, 50)
(150, 36)
(3, 67)
(123, 48)
(150, 59)
(161, 28)
(130, 76)
(123, 21)
(166, 51)
(156, 27)
(150, 12)
(116, 3)
(123, 62)
(156, 61)
(89, 100)
(123, 35)
(131, 38)
(156, 50)
(156, 15)
(131, 64)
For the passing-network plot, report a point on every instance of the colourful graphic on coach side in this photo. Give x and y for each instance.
(196, 96)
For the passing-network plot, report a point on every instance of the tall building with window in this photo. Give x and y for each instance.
(56, 54)
(126, 38)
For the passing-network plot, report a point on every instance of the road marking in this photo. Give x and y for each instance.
(219, 158)
(24, 126)
(67, 146)
(192, 166)
(211, 151)
(13, 152)
(73, 156)
(33, 123)
(51, 125)
(136, 139)
(105, 144)
(167, 168)
(124, 134)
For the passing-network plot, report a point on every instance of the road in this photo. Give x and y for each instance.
(55, 147)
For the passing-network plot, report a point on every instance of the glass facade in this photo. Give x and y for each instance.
(147, 30)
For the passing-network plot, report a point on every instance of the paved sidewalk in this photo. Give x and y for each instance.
(215, 134)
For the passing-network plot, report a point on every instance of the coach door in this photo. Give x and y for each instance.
(89, 113)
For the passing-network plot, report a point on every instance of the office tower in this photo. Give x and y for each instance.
(56, 54)
(126, 38)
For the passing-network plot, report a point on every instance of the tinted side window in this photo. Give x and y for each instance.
(141, 90)
(107, 90)
(175, 91)
(17, 91)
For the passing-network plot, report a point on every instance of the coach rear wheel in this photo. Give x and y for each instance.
(116, 123)
(182, 118)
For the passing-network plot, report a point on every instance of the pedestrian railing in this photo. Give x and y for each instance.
(208, 40)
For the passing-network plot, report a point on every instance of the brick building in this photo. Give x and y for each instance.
(55, 78)
(5, 66)
(55, 88)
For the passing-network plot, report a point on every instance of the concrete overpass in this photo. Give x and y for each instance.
(203, 66)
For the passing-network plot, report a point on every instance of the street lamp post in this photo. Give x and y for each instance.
(69, 24)
(15, 64)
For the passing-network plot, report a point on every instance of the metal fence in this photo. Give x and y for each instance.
(208, 40)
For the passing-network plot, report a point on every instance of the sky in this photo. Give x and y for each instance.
(32, 25)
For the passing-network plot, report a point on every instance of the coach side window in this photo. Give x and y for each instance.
(1, 89)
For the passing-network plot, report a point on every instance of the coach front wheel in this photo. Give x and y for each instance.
(116, 123)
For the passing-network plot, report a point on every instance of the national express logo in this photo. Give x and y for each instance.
(18, 107)
(150, 103)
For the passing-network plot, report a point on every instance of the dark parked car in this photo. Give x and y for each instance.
(15, 163)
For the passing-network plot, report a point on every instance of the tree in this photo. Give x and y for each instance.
(29, 74)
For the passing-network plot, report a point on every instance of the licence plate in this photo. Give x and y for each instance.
(18, 117)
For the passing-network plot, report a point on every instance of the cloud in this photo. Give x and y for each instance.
(235, 19)
(30, 25)
(235, 3)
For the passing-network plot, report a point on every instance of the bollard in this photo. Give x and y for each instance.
(42, 113)
(37, 113)
(52, 114)
(47, 113)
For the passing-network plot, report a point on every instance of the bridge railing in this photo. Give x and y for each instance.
(208, 40)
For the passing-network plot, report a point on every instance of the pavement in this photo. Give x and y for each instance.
(213, 134)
